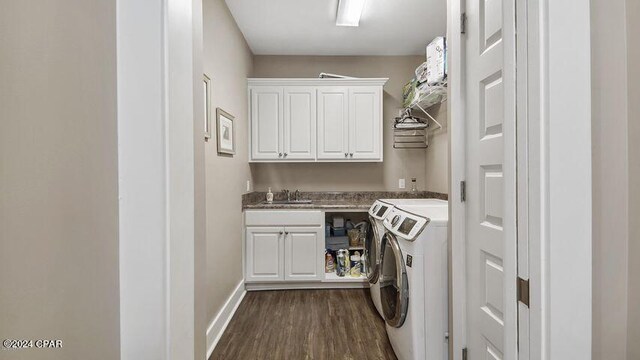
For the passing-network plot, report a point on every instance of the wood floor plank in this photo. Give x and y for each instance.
(305, 325)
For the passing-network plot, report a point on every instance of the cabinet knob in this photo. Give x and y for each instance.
(280, 155)
(285, 154)
(286, 233)
(351, 154)
(346, 154)
(281, 232)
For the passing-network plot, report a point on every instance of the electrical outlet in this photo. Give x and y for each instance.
(401, 184)
(248, 185)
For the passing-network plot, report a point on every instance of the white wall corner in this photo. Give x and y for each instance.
(220, 322)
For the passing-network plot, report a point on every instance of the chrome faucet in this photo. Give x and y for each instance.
(287, 193)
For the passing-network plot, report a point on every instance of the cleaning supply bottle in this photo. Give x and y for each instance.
(363, 262)
(329, 265)
(355, 264)
(269, 196)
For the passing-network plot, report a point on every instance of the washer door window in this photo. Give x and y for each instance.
(394, 286)
(372, 252)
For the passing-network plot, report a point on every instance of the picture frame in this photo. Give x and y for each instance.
(225, 132)
(206, 83)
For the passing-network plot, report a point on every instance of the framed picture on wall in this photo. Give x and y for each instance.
(206, 89)
(225, 132)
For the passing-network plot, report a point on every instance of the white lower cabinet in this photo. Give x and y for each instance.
(302, 249)
(265, 254)
(284, 246)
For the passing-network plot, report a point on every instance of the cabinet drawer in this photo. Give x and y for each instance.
(283, 217)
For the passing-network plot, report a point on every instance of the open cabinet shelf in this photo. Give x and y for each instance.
(335, 278)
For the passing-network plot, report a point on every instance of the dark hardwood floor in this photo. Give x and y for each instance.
(305, 324)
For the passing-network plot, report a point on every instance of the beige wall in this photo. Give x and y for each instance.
(356, 176)
(437, 158)
(610, 180)
(633, 68)
(58, 178)
(228, 62)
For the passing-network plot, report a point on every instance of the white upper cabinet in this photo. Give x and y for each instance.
(333, 123)
(365, 130)
(308, 120)
(266, 123)
(299, 123)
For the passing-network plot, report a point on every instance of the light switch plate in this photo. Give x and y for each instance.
(401, 183)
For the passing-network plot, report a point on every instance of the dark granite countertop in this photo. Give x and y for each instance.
(348, 200)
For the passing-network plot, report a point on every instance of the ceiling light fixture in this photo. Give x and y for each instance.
(349, 12)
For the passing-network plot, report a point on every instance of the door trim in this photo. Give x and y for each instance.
(457, 173)
(161, 180)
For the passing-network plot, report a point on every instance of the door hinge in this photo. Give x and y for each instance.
(464, 354)
(523, 291)
(463, 191)
(463, 23)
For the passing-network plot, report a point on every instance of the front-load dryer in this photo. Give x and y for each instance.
(377, 213)
(413, 281)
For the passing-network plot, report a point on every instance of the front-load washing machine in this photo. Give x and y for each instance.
(377, 213)
(413, 281)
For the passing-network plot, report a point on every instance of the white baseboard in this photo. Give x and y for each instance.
(220, 322)
(306, 285)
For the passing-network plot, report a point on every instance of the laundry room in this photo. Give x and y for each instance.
(319, 179)
(328, 205)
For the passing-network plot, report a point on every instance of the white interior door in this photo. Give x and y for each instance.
(365, 123)
(491, 180)
(333, 123)
(266, 122)
(299, 123)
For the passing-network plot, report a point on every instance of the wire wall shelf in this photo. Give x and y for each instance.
(429, 96)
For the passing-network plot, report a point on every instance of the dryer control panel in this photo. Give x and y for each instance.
(380, 209)
(405, 224)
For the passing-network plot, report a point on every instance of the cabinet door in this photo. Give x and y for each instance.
(304, 253)
(365, 123)
(333, 123)
(265, 254)
(299, 123)
(266, 122)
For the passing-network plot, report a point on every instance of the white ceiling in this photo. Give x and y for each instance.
(308, 27)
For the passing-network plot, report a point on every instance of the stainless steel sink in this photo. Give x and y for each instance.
(291, 202)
